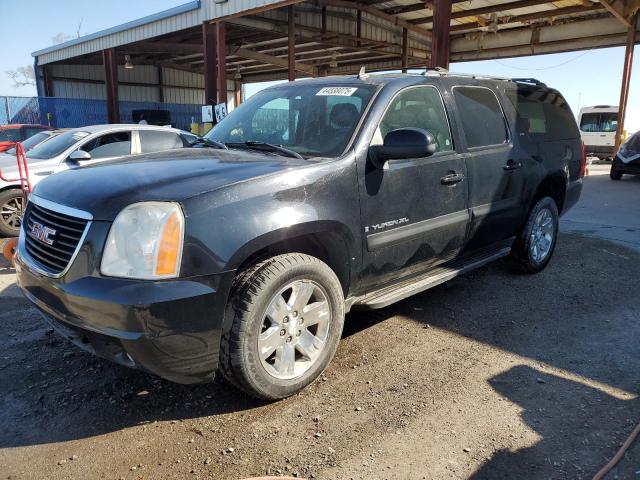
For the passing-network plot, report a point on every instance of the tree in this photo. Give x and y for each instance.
(22, 76)
(62, 37)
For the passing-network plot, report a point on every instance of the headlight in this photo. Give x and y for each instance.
(145, 242)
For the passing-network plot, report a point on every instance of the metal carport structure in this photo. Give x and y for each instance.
(203, 51)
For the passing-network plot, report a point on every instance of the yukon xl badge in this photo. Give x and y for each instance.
(381, 226)
(42, 233)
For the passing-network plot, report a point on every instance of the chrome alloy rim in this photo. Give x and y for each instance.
(542, 235)
(294, 330)
(11, 212)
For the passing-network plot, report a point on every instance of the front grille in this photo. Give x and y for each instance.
(51, 238)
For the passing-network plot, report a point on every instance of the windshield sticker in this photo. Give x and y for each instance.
(337, 91)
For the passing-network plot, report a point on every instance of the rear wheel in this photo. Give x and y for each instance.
(286, 315)
(11, 208)
(534, 246)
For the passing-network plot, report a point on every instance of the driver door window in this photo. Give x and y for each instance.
(113, 144)
(418, 107)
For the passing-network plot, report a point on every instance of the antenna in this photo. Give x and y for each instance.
(363, 72)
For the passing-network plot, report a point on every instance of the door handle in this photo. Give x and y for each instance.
(452, 179)
(512, 165)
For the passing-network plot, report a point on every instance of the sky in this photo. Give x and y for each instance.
(585, 78)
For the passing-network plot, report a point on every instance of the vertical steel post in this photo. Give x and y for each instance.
(109, 59)
(291, 31)
(440, 39)
(221, 57)
(210, 65)
(626, 80)
(405, 50)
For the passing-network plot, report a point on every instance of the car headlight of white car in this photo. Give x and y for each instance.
(145, 242)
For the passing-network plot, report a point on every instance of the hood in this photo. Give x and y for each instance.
(106, 188)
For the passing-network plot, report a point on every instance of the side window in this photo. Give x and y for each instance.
(109, 145)
(482, 118)
(418, 107)
(154, 141)
(543, 114)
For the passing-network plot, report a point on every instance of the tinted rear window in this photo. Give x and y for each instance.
(482, 118)
(10, 135)
(543, 114)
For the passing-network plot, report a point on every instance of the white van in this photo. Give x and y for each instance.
(598, 129)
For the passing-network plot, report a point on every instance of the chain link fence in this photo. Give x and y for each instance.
(73, 112)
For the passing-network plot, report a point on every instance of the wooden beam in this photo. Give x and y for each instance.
(272, 60)
(210, 66)
(221, 60)
(626, 80)
(374, 12)
(474, 12)
(291, 37)
(111, 83)
(441, 41)
(617, 9)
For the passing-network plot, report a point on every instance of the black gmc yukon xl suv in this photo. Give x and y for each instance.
(310, 199)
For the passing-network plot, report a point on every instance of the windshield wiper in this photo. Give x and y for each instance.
(265, 147)
(205, 142)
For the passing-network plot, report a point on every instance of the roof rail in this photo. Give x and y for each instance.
(532, 81)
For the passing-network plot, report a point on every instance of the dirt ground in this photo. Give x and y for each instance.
(490, 376)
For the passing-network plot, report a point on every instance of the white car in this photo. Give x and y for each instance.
(76, 148)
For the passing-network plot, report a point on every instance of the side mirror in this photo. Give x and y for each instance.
(403, 143)
(80, 156)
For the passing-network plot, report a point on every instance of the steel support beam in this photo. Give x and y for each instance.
(626, 79)
(221, 60)
(210, 65)
(440, 45)
(111, 84)
(291, 37)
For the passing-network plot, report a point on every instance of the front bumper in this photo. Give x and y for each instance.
(169, 328)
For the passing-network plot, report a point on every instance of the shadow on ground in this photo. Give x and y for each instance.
(576, 316)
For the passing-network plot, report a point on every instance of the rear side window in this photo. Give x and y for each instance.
(543, 114)
(110, 145)
(154, 141)
(482, 119)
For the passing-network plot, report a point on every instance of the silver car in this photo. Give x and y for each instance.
(76, 148)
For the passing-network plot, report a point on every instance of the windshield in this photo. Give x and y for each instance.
(312, 120)
(30, 142)
(632, 146)
(57, 145)
(599, 122)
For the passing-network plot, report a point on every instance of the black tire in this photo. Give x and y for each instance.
(253, 292)
(614, 173)
(522, 257)
(9, 200)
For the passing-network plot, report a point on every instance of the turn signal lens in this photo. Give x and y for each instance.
(170, 243)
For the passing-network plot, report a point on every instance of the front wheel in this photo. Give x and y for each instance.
(534, 246)
(11, 208)
(286, 317)
(615, 174)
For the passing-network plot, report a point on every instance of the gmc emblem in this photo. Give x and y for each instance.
(42, 233)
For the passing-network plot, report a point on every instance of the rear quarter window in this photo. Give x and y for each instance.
(543, 114)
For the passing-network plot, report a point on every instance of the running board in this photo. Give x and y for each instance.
(388, 295)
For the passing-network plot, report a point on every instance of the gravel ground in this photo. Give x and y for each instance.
(490, 376)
